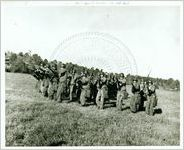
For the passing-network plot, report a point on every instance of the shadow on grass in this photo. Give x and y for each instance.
(75, 100)
(125, 108)
(158, 111)
(109, 104)
(58, 143)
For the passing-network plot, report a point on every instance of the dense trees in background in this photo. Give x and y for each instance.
(25, 63)
(169, 84)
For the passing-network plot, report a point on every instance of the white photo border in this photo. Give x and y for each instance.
(93, 3)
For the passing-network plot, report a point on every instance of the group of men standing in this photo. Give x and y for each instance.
(145, 91)
(57, 83)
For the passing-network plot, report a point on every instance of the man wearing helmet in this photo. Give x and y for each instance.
(45, 82)
(53, 82)
(121, 93)
(73, 80)
(152, 99)
(62, 83)
(102, 91)
(93, 88)
(85, 91)
(135, 101)
(143, 93)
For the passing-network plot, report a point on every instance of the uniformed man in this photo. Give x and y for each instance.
(53, 82)
(85, 91)
(143, 93)
(111, 87)
(121, 93)
(102, 91)
(52, 90)
(62, 83)
(93, 88)
(37, 73)
(135, 101)
(78, 88)
(45, 82)
(74, 76)
(41, 72)
(114, 88)
(152, 99)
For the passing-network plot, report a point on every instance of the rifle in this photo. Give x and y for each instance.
(52, 73)
(148, 74)
(38, 74)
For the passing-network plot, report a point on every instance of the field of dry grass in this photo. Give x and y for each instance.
(32, 120)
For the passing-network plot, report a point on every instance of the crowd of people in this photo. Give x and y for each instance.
(58, 83)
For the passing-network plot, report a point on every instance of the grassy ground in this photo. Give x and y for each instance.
(32, 120)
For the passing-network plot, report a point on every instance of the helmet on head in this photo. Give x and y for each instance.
(106, 75)
(85, 72)
(150, 82)
(122, 75)
(74, 71)
(63, 65)
(135, 80)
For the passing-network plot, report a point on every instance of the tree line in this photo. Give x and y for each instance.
(25, 63)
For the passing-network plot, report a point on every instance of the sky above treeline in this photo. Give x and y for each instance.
(151, 33)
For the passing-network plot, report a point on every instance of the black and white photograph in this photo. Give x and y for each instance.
(92, 74)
